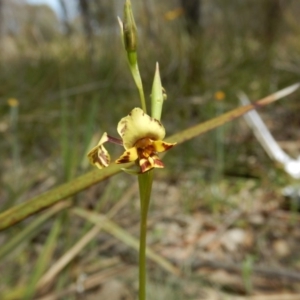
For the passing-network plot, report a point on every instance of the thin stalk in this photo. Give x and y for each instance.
(29, 231)
(44, 259)
(145, 186)
(219, 145)
(14, 115)
(142, 256)
(134, 68)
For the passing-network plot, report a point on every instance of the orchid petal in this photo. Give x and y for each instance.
(146, 164)
(161, 146)
(99, 156)
(157, 161)
(138, 125)
(151, 162)
(128, 156)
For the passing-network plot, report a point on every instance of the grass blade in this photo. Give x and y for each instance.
(25, 209)
(122, 235)
(199, 129)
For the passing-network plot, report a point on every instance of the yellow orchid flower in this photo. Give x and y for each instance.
(142, 138)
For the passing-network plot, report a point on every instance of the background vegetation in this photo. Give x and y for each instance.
(217, 210)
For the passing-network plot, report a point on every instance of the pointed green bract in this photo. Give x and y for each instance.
(157, 95)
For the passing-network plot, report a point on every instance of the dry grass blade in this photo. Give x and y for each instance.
(34, 227)
(67, 257)
(199, 129)
(125, 237)
(89, 236)
(25, 209)
(45, 258)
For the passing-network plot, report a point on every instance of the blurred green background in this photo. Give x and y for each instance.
(65, 80)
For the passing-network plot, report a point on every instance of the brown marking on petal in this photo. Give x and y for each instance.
(146, 153)
(158, 163)
(157, 121)
(128, 156)
(104, 159)
(145, 165)
(123, 129)
(93, 159)
(161, 146)
(168, 146)
(125, 158)
(143, 143)
(99, 157)
(123, 125)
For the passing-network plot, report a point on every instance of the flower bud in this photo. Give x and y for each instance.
(129, 29)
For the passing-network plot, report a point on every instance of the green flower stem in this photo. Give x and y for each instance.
(130, 41)
(145, 186)
(134, 68)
